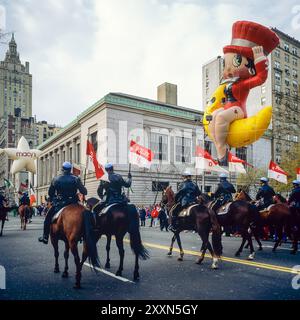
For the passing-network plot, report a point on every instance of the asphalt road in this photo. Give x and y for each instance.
(29, 271)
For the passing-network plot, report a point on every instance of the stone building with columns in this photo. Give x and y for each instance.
(172, 132)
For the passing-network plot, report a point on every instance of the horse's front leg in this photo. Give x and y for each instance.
(66, 256)
(244, 239)
(203, 246)
(136, 275)
(181, 254)
(120, 245)
(108, 242)
(172, 245)
(74, 250)
(54, 242)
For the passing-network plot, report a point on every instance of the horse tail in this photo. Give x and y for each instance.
(216, 233)
(90, 240)
(135, 236)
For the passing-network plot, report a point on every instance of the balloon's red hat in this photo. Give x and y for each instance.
(247, 34)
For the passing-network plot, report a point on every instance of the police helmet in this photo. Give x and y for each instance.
(67, 165)
(296, 182)
(264, 179)
(187, 173)
(109, 166)
(223, 176)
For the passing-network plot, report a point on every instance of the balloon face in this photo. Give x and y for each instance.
(23, 157)
(236, 65)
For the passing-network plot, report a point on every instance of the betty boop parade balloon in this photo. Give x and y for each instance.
(245, 67)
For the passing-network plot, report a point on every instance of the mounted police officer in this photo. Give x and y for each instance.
(186, 195)
(223, 193)
(111, 191)
(265, 194)
(294, 198)
(25, 200)
(3, 200)
(62, 192)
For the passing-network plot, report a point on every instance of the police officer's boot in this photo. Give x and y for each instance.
(47, 224)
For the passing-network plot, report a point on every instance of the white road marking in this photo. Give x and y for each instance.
(109, 273)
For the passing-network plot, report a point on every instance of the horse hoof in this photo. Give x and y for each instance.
(214, 266)
(119, 274)
(260, 249)
(238, 254)
(199, 261)
(251, 256)
(56, 270)
(180, 259)
(77, 286)
(107, 266)
(65, 274)
(169, 253)
(136, 277)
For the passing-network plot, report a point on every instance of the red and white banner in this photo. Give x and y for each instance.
(276, 173)
(236, 164)
(92, 158)
(139, 155)
(298, 173)
(205, 161)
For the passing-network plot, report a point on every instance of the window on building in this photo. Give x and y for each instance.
(277, 53)
(287, 71)
(241, 153)
(78, 153)
(294, 50)
(263, 89)
(277, 64)
(159, 185)
(263, 101)
(277, 77)
(287, 82)
(286, 47)
(159, 145)
(94, 140)
(287, 91)
(295, 73)
(286, 58)
(295, 62)
(295, 84)
(277, 88)
(183, 149)
(208, 146)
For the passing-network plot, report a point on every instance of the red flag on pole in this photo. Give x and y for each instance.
(276, 173)
(93, 158)
(298, 173)
(139, 155)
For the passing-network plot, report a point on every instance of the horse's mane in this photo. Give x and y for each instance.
(281, 198)
(248, 198)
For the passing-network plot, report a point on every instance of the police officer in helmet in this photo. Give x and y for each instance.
(186, 195)
(111, 191)
(62, 192)
(294, 198)
(224, 192)
(265, 194)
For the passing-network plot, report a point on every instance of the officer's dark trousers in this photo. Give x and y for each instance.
(48, 220)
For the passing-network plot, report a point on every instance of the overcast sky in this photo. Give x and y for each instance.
(80, 50)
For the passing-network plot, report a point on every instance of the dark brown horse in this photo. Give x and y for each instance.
(276, 216)
(117, 223)
(3, 216)
(240, 215)
(202, 220)
(24, 213)
(72, 225)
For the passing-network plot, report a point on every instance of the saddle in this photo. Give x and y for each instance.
(57, 214)
(104, 210)
(224, 209)
(266, 210)
(187, 211)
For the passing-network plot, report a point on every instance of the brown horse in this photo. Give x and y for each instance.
(72, 225)
(116, 222)
(24, 213)
(240, 215)
(277, 217)
(203, 221)
(3, 215)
